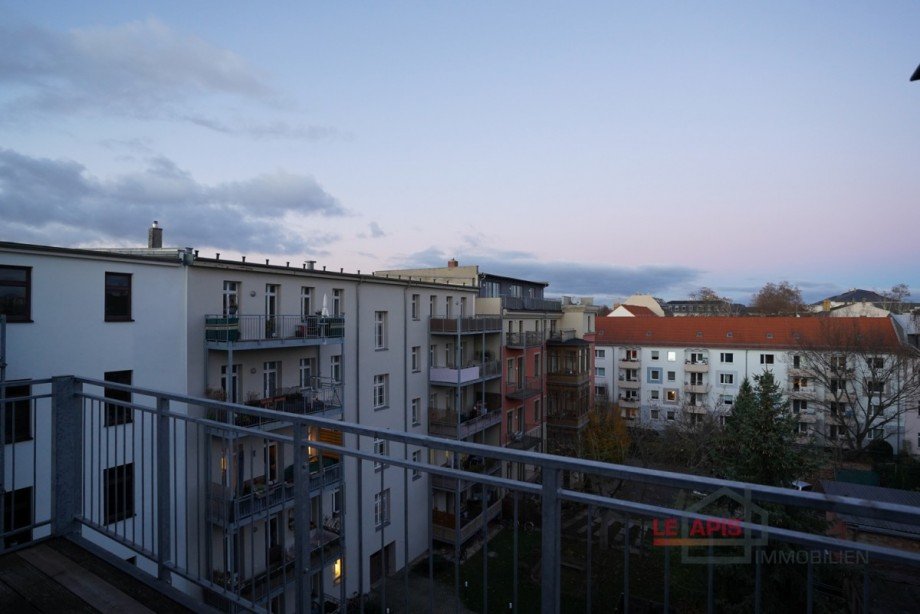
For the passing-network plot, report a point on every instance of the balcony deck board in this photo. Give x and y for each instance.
(57, 575)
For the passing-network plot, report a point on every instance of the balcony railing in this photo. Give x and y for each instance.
(473, 372)
(561, 336)
(447, 423)
(527, 339)
(470, 324)
(139, 485)
(519, 303)
(526, 388)
(320, 399)
(255, 331)
(568, 376)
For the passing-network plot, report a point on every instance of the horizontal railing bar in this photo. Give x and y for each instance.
(759, 492)
(22, 382)
(787, 535)
(31, 397)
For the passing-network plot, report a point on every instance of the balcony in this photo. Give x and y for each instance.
(562, 336)
(568, 419)
(160, 527)
(528, 388)
(518, 303)
(471, 374)
(628, 402)
(629, 363)
(252, 332)
(521, 341)
(629, 384)
(696, 366)
(696, 388)
(446, 423)
(444, 525)
(228, 507)
(569, 377)
(801, 392)
(465, 325)
(321, 400)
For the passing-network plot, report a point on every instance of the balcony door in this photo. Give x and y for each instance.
(271, 308)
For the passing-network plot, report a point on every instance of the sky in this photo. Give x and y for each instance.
(607, 148)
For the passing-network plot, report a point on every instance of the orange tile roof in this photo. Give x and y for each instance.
(747, 332)
(639, 311)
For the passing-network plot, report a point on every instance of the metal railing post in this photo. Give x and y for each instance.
(550, 543)
(302, 512)
(164, 459)
(66, 455)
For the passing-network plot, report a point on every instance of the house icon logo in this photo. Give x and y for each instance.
(717, 536)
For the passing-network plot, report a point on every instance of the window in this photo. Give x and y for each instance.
(838, 409)
(799, 406)
(537, 365)
(672, 356)
(382, 508)
(877, 433)
(307, 369)
(380, 329)
(462, 306)
(796, 362)
(838, 362)
(274, 473)
(116, 413)
(803, 428)
(728, 400)
(16, 293)
(231, 298)
(654, 376)
(416, 411)
(416, 359)
(600, 372)
(380, 391)
(306, 301)
(336, 500)
(670, 396)
(416, 458)
(118, 483)
(875, 362)
(838, 385)
(672, 376)
(271, 378)
(17, 514)
(538, 410)
(656, 414)
(631, 355)
(381, 448)
(654, 395)
(432, 305)
(599, 354)
(234, 396)
(655, 354)
(671, 414)
(834, 431)
(449, 306)
(491, 289)
(335, 368)
(338, 301)
(727, 379)
(515, 291)
(766, 359)
(416, 306)
(727, 357)
(874, 387)
(117, 297)
(18, 415)
(799, 383)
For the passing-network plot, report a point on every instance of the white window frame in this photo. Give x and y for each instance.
(416, 358)
(380, 390)
(380, 330)
(382, 448)
(416, 415)
(382, 508)
(306, 301)
(416, 458)
(416, 305)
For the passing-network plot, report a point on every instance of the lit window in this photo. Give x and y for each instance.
(672, 356)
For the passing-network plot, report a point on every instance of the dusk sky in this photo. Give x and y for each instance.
(606, 148)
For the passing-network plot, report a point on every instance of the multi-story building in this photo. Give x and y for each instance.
(294, 339)
(667, 370)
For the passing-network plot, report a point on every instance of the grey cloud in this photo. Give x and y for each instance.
(374, 232)
(141, 69)
(563, 277)
(38, 196)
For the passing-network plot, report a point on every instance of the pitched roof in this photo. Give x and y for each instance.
(745, 332)
(639, 311)
(856, 296)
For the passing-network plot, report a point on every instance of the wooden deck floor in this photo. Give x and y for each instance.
(60, 576)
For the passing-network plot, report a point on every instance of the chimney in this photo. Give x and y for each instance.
(452, 263)
(155, 236)
(311, 264)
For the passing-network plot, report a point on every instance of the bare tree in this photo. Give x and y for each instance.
(895, 297)
(778, 299)
(866, 379)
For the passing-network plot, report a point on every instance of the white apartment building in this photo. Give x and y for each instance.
(342, 346)
(668, 370)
